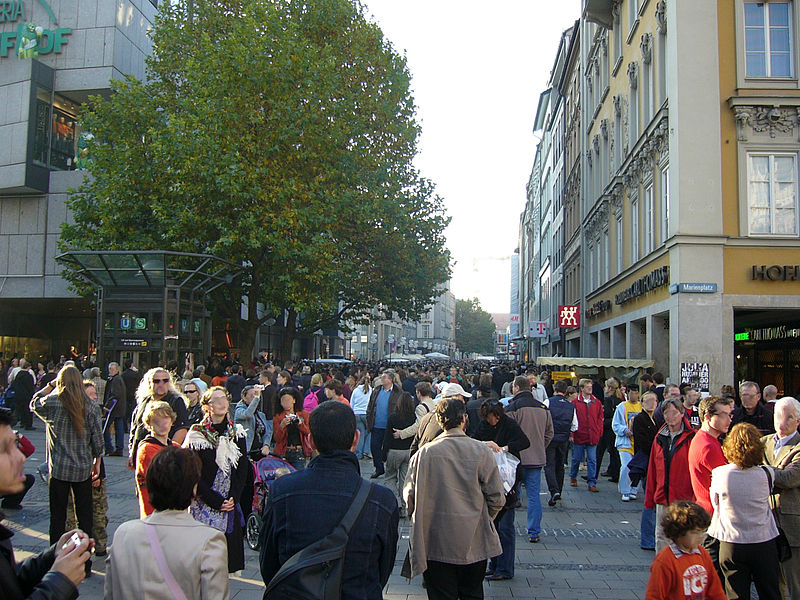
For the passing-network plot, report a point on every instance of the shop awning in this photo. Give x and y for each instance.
(574, 361)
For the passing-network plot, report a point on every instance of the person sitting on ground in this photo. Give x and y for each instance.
(169, 540)
(683, 570)
(158, 419)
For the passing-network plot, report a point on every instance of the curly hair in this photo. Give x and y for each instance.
(492, 407)
(682, 517)
(743, 446)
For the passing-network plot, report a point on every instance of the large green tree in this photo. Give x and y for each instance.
(280, 135)
(474, 328)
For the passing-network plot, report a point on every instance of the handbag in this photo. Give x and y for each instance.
(784, 549)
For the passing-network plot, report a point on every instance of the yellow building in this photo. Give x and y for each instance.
(690, 221)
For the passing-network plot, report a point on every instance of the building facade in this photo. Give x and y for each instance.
(71, 50)
(689, 229)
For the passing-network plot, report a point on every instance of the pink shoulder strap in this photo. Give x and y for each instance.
(158, 554)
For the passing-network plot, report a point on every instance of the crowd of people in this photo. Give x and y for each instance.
(452, 447)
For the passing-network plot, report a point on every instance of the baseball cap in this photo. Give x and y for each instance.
(454, 389)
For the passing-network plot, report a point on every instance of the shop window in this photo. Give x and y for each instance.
(768, 39)
(772, 194)
(55, 131)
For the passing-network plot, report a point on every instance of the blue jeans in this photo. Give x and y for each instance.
(376, 449)
(504, 564)
(647, 536)
(363, 441)
(119, 434)
(532, 478)
(578, 451)
(625, 486)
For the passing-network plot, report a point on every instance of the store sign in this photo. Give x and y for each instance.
(569, 315)
(693, 288)
(776, 272)
(696, 374)
(125, 323)
(559, 375)
(598, 308)
(30, 40)
(502, 338)
(766, 334)
(648, 283)
(514, 319)
(538, 329)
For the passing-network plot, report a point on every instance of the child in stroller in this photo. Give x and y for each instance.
(265, 471)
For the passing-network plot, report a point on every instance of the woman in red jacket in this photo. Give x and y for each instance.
(668, 477)
(290, 429)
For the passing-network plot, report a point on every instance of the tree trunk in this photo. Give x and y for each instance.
(289, 333)
(247, 331)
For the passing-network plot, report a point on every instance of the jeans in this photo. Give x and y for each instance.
(625, 486)
(607, 445)
(296, 458)
(554, 469)
(578, 451)
(59, 493)
(532, 478)
(376, 449)
(363, 441)
(647, 535)
(119, 434)
(504, 564)
(448, 582)
(396, 469)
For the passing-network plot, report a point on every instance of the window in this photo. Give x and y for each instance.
(633, 13)
(768, 39)
(664, 204)
(592, 273)
(634, 230)
(606, 255)
(619, 233)
(649, 219)
(772, 194)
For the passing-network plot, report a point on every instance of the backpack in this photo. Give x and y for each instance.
(8, 396)
(315, 572)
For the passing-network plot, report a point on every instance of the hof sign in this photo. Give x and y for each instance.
(696, 374)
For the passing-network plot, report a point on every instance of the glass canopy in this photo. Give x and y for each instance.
(151, 268)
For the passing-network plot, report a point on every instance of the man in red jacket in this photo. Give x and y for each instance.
(668, 477)
(584, 441)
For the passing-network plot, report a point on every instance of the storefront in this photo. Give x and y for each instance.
(151, 304)
(767, 349)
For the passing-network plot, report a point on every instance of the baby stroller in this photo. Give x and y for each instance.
(265, 471)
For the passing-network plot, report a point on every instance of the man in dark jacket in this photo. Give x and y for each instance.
(382, 403)
(55, 573)
(534, 419)
(565, 422)
(23, 386)
(114, 403)
(131, 376)
(293, 521)
(235, 384)
(752, 410)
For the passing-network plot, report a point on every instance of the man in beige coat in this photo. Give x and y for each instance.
(786, 501)
(453, 490)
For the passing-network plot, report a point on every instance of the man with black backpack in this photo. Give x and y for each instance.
(328, 532)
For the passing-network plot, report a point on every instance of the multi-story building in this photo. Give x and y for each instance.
(682, 235)
(72, 49)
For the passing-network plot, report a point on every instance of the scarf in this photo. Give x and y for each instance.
(204, 436)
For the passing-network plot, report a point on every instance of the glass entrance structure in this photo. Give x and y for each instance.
(150, 304)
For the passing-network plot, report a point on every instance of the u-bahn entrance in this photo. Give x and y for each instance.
(150, 304)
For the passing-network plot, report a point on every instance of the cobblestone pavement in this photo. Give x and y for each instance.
(589, 548)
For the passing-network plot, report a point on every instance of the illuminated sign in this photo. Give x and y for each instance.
(742, 337)
(30, 40)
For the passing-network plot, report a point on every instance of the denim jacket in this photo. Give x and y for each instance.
(305, 506)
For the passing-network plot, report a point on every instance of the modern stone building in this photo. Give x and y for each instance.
(81, 46)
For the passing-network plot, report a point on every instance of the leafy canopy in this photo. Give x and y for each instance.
(277, 134)
(474, 328)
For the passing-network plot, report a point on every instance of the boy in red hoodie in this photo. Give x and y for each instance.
(584, 441)
(683, 570)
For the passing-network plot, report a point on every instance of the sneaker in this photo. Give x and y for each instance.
(557, 496)
(632, 496)
(552, 501)
(534, 539)
(626, 498)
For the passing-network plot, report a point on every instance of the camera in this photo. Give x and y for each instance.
(294, 418)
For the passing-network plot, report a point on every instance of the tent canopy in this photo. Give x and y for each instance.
(436, 355)
(575, 361)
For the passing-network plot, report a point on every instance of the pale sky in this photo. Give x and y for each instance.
(477, 71)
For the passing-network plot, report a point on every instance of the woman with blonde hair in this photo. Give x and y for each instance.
(742, 520)
(612, 397)
(74, 447)
(156, 385)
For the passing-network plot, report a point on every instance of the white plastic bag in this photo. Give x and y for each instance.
(507, 463)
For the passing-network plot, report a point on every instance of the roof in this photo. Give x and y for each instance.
(574, 361)
(150, 268)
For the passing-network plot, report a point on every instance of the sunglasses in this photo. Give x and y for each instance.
(160, 380)
(190, 391)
